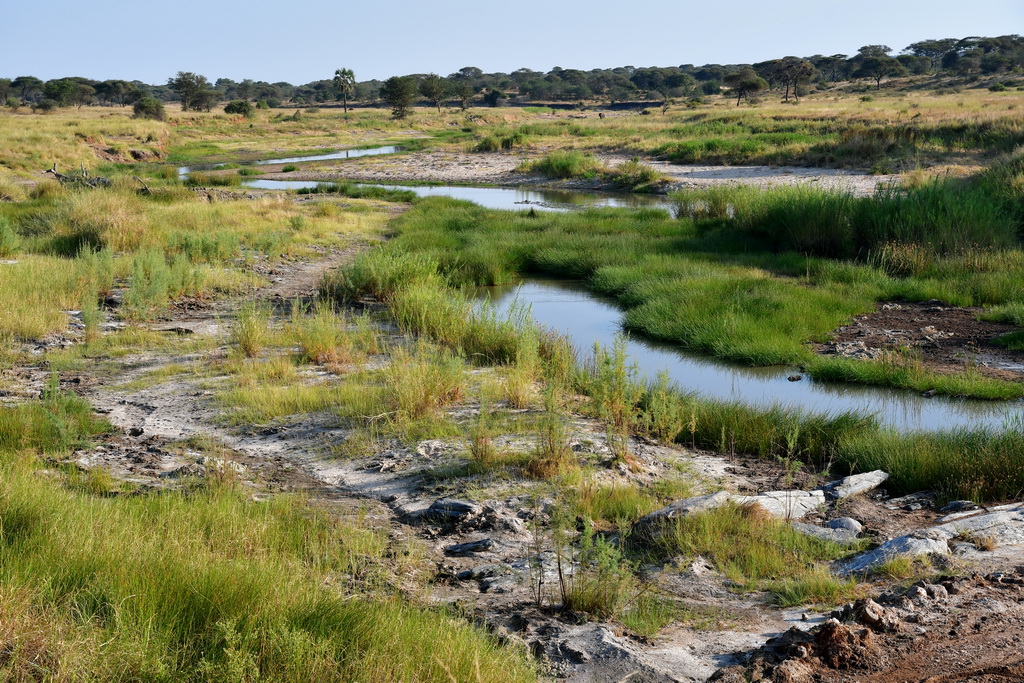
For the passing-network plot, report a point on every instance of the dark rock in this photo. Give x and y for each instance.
(959, 506)
(136, 431)
(450, 508)
(470, 547)
(795, 378)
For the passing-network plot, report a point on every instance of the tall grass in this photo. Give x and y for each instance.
(756, 552)
(213, 586)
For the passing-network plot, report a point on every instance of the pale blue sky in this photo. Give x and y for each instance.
(304, 40)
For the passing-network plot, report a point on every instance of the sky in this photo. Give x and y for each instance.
(306, 40)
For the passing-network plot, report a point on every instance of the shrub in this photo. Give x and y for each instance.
(240, 107)
(12, 103)
(150, 108)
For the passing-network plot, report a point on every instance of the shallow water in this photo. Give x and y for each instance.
(183, 171)
(587, 318)
(340, 154)
(505, 198)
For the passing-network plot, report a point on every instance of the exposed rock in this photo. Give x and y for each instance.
(912, 502)
(923, 542)
(450, 508)
(483, 571)
(848, 523)
(470, 547)
(959, 506)
(785, 504)
(826, 534)
(1005, 527)
(855, 483)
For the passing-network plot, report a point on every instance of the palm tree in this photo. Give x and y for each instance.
(344, 84)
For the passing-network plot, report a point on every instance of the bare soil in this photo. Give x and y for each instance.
(962, 629)
(948, 338)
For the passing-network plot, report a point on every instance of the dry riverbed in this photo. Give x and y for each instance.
(451, 167)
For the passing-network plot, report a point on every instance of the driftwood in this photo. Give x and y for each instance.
(145, 187)
(81, 178)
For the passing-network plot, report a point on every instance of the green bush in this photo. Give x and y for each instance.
(149, 108)
(240, 107)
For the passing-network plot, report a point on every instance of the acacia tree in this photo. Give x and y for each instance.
(27, 86)
(745, 83)
(344, 85)
(463, 90)
(435, 89)
(189, 87)
(877, 67)
(792, 71)
(399, 92)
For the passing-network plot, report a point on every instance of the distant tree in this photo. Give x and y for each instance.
(874, 51)
(344, 85)
(463, 91)
(877, 67)
(205, 99)
(745, 83)
(435, 89)
(59, 90)
(245, 90)
(82, 94)
(27, 86)
(933, 49)
(915, 64)
(494, 97)
(149, 108)
(789, 72)
(470, 73)
(399, 93)
(242, 107)
(5, 89)
(188, 85)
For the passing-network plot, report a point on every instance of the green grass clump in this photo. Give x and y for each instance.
(757, 552)
(564, 164)
(908, 372)
(251, 329)
(58, 423)
(635, 176)
(361, 191)
(962, 464)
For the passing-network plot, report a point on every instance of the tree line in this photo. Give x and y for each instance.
(970, 58)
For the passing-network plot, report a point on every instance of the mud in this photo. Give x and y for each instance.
(948, 338)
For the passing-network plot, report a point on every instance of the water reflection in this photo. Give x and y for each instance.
(586, 318)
